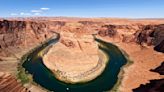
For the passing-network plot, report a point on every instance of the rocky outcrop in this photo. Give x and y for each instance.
(17, 35)
(38, 28)
(89, 22)
(22, 34)
(10, 84)
(75, 59)
(159, 69)
(9, 33)
(139, 33)
(68, 43)
(108, 30)
(143, 35)
(151, 35)
(12, 26)
(158, 34)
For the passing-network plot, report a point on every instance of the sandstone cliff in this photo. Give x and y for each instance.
(15, 33)
(18, 36)
(140, 34)
(21, 34)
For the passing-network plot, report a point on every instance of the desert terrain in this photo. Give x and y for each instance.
(76, 52)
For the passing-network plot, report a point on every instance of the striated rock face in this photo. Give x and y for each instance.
(17, 36)
(151, 35)
(8, 83)
(9, 32)
(18, 33)
(12, 26)
(21, 34)
(141, 34)
(40, 30)
(108, 30)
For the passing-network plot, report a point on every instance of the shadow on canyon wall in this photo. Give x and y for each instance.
(154, 85)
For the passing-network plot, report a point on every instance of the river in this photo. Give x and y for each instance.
(105, 82)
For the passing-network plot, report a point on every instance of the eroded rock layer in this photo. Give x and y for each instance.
(143, 40)
(75, 59)
(26, 33)
(9, 83)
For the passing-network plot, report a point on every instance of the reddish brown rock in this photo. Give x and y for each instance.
(9, 83)
(108, 30)
(22, 34)
(68, 43)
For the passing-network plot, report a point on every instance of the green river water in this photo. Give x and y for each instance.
(105, 82)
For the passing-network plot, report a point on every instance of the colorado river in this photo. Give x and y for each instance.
(45, 78)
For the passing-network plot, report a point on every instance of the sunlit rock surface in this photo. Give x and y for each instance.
(141, 39)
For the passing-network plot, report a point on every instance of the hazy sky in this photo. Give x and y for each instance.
(83, 8)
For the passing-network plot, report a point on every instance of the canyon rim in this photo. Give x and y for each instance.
(76, 52)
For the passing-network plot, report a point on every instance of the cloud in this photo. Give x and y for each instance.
(36, 11)
(13, 14)
(45, 8)
(22, 13)
(32, 12)
(25, 14)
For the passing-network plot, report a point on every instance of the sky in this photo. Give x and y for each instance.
(83, 8)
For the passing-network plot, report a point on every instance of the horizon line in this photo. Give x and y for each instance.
(83, 17)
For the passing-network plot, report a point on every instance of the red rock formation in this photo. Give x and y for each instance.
(154, 85)
(16, 35)
(68, 43)
(9, 84)
(144, 34)
(108, 30)
(22, 34)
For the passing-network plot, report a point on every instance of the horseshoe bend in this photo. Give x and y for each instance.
(96, 73)
(80, 54)
(76, 59)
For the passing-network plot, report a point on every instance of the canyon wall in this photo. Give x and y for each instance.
(140, 34)
(16, 34)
